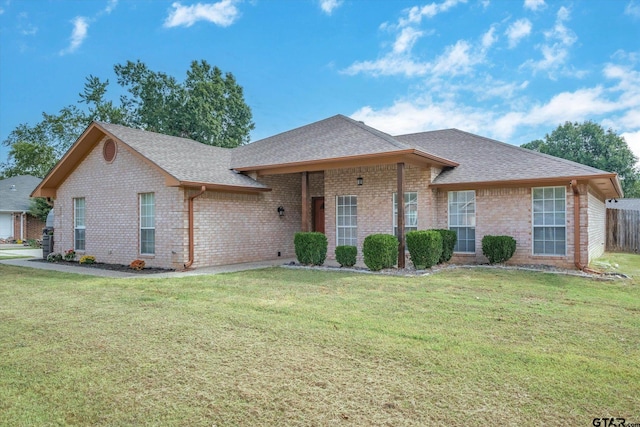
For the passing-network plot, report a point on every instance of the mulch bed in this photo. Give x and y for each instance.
(112, 267)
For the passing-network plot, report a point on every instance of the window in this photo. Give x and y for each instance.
(549, 221)
(347, 220)
(147, 224)
(410, 212)
(462, 219)
(79, 224)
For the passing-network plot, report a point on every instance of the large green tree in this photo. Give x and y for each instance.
(208, 106)
(588, 143)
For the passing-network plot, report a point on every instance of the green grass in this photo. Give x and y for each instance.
(617, 262)
(298, 347)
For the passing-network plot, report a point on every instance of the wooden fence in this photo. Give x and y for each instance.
(623, 230)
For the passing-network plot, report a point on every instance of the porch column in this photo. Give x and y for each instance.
(400, 220)
(305, 202)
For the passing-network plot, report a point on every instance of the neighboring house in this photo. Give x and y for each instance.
(15, 221)
(624, 204)
(122, 194)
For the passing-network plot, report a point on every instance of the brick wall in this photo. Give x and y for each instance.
(232, 228)
(112, 213)
(26, 226)
(375, 199)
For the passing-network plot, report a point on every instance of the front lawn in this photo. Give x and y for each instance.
(296, 347)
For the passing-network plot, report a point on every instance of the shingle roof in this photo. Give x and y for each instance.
(15, 191)
(485, 160)
(331, 138)
(184, 159)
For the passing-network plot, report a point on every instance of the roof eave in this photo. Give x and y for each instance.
(411, 156)
(221, 187)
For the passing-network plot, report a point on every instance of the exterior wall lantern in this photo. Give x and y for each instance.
(359, 180)
(280, 211)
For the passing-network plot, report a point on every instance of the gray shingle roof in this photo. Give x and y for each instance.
(18, 200)
(184, 159)
(484, 160)
(331, 138)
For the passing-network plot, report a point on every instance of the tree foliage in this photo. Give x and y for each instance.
(588, 143)
(39, 207)
(208, 107)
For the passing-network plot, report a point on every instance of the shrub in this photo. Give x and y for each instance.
(498, 248)
(70, 255)
(87, 259)
(54, 257)
(311, 248)
(425, 248)
(137, 264)
(380, 251)
(449, 238)
(346, 255)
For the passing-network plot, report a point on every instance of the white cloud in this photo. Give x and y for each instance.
(632, 9)
(389, 65)
(489, 38)
(406, 39)
(457, 59)
(222, 13)
(633, 141)
(78, 35)
(415, 14)
(517, 31)
(534, 4)
(555, 51)
(328, 6)
(111, 4)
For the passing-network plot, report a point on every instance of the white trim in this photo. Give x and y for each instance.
(475, 242)
(533, 226)
(352, 227)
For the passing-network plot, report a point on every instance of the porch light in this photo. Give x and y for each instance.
(280, 211)
(359, 180)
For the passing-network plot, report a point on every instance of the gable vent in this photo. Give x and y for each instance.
(109, 150)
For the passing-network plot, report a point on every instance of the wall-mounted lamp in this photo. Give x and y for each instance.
(359, 180)
(280, 211)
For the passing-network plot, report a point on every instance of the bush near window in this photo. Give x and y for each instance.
(310, 247)
(137, 264)
(380, 251)
(87, 259)
(449, 238)
(498, 248)
(346, 255)
(70, 255)
(425, 248)
(54, 257)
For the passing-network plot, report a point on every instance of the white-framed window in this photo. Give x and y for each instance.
(79, 229)
(147, 224)
(549, 221)
(410, 212)
(462, 219)
(347, 220)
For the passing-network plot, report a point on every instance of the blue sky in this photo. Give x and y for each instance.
(512, 70)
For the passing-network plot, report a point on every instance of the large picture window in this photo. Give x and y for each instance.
(79, 236)
(462, 219)
(147, 224)
(410, 212)
(549, 221)
(347, 220)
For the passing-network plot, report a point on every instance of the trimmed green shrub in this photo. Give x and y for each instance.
(311, 248)
(425, 248)
(449, 238)
(346, 255)
(498, 248)
(380, 251)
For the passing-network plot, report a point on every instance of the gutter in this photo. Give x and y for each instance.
(191, 250)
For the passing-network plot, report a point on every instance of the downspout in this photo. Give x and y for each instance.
(191, 250)
(576, 227)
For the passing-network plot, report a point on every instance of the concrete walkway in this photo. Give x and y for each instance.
(37, 253)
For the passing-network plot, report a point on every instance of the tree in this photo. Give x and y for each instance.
(208, 107)
(39, 207)
(588, 143)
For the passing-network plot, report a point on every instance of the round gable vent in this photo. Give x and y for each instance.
(109, 150)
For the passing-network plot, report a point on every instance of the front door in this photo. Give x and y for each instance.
(318, 214)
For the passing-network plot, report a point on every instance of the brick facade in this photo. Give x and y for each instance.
(234, 227)
(26, 226)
